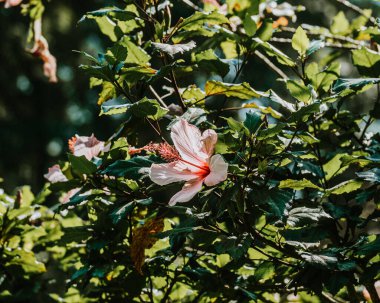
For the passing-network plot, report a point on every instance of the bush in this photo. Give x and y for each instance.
(211, 190)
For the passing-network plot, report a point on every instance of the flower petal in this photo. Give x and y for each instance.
(187, 140)
(167, 173)
(189, 190)
(55, 174)
(209, 139)
(87, 146)
(218, 171)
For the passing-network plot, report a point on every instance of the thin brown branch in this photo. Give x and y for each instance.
(271, 65)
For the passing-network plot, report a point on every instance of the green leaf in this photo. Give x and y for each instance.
(121, 212)
(272, 51)
(81, 165)
(301, 216)
(112, 12)
(298, 184)
(135, 53)
(273, 201)
(149, 108)
(234, 124)
(372, 175)
(333, 166)
(108, 92)
(242, 91)
(99, 72)
(26, 260)
(110, 110)
(340, 25)
(252, 121)
(343, 85)
(300, 41)
(299, 91)
(208, 61)
(314, 46)
(199, 19)
(367, 61)
(324, 79)
(119, 52)
(319, 260)
(107, 27)
(193, 94)
(272, 96)
(131, 169)
(271, 131)
(345, 187)
(304, 113)
(265, 31)
(250, 25)
(370, 248)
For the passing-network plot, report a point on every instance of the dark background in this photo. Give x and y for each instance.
(37, 118)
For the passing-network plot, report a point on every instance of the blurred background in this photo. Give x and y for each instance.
(37, 117)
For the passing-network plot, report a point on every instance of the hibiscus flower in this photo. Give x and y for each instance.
(55, 174)
(192, 161)
(89, 147)
(9, 3)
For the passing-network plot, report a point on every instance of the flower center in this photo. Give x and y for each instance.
(204, 170)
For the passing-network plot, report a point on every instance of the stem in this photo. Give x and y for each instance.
(175, 85)
(327, 35)
(318, 154)
(373, 293)
(170, 287)
(271, 65)
(192, 5)
(357, 9)
(327, 44)
(157, 96)
(371, 119)
(150, 293)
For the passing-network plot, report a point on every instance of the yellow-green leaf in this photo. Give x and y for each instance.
(300, 41)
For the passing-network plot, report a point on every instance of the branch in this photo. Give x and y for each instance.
(192, 5)
(271, 65)
(157, 97)
(357, 9)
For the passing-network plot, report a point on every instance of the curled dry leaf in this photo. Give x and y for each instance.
(41, 50)
(143, 238)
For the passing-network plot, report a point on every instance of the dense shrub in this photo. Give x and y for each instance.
(153, 215)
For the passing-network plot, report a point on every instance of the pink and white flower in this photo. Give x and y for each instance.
(193, 162)
(55, 174)
(89, 147)
(9, 3)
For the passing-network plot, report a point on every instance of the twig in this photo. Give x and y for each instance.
(308, 28)
(157, 96)
(271, 65)
(370, 119)
(174, 83)
(327, 44)
(170, 287)
(330, 298)
(192, 5)
(357, 9)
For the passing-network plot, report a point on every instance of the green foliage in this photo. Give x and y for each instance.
(302, 191)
